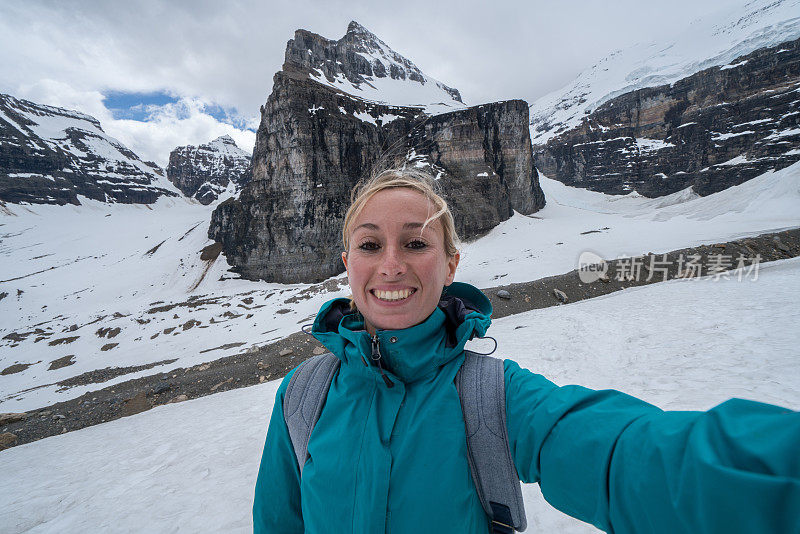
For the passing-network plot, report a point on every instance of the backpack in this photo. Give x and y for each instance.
(481, 387)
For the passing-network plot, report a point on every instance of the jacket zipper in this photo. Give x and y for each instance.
(376, 356)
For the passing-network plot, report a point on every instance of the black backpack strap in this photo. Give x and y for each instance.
(481, 387)
(304, 398)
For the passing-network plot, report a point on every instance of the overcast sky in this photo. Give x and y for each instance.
(208, 65)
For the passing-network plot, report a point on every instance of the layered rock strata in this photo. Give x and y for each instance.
(206, 171)
(712, 130)
(316, 142)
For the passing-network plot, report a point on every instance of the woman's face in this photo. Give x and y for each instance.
(397, 269)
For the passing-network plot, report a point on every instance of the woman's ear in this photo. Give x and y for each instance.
(344, 259)
(452, 264)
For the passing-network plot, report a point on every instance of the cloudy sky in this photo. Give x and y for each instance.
(159, 74)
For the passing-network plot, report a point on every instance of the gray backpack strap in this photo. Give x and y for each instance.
(304, 398)
(481, 386)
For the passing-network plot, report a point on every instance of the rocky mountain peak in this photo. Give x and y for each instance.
(51, 155)
(356, 28)
(224, 139)
(362, 65)
(208, 171)
(226, 146)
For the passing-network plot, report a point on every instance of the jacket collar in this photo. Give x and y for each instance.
(412, 353)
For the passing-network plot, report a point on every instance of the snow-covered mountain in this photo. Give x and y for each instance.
(710, 41)
(209, 171)
(362, 65)
(51, 155)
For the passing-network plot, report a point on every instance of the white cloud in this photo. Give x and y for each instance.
(61, 94)
(226, 53)
(172, 125)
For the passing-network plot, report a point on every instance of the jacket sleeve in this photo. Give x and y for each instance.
(276, 506)
(626, 466)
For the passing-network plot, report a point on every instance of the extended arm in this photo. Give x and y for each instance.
(276, 506)
(626, 466)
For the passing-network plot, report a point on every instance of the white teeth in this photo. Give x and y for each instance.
(392, 295)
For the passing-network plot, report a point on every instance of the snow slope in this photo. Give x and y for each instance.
(138, 268)
(714, 40)
(682, 344)
(129, 267)
(577, 220)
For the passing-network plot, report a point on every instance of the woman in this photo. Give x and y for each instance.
(388, 452)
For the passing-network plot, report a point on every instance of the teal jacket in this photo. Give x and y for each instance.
(393, 459)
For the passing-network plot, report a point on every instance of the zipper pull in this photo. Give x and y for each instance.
(376, 348)
(376, 356)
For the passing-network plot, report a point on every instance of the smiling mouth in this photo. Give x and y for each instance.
(393, 296)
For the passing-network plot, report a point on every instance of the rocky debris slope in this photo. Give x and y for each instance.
(276, 359)
(712, 130)
(51, 155)
(316, 141)
(206, 171)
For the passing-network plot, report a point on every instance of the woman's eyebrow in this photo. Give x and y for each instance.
(406, 226)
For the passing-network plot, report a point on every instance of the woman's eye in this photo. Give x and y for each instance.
(368, 246)
(417, 244)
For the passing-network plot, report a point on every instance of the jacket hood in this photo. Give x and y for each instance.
(411, 353)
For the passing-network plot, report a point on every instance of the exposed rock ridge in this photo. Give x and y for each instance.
(712, 130)
(206, 171)
(315, 142)
(50, 155)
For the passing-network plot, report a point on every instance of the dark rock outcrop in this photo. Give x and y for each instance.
(315, 142)
(51, 155)
(711, 130)
(204, 172)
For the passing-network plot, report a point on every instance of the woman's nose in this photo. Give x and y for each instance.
(392, 263)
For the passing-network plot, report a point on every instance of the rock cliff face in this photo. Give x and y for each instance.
(206, 171)
(51, 155)
(711, 130)
(315, 142)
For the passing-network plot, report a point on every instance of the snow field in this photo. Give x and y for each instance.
(575, 220)
(682, 344)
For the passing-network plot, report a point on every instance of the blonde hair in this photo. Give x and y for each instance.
(415, 180)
